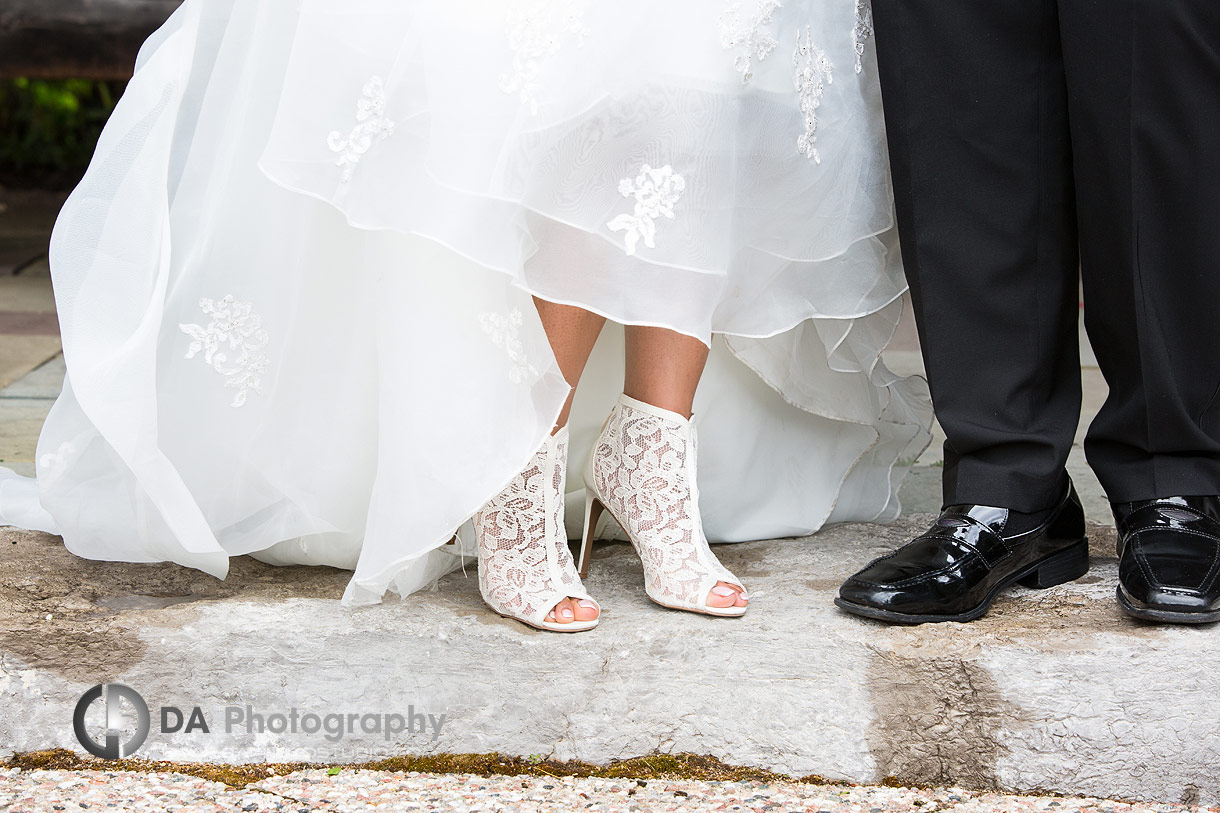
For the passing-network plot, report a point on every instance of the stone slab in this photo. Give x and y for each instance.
(28, 323)
(21, 421)
(1053, 691)
(21, 354)
(28, 292)
(44, 382)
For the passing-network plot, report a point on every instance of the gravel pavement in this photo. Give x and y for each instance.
(26, 791)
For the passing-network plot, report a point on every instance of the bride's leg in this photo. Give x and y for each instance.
(663, 369)
(572, 333)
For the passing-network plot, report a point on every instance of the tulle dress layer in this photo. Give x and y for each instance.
(295, 284)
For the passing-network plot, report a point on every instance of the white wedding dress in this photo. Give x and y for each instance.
(295, 284)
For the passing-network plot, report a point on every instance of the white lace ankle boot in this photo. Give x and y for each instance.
(643, 470)
(525, 568)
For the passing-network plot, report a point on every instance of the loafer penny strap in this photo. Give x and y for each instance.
(967, 532)
(1166, 516)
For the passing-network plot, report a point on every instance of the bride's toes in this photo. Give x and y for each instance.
(586, 610)
(570, 609)
(562, 612)
(725, 595)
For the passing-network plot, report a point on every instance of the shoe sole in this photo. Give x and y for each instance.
(1163, 616)
(1067, 565)
(718, 612)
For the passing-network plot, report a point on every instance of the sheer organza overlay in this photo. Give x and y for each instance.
(295, 285)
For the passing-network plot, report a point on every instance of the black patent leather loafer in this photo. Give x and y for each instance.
(955, 570)
(1169, 559)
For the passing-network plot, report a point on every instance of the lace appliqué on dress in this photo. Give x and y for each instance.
(748, 35)
(53, 465)
(534, 33)
(372, 125)
(235, 328)
(655, 192)
(505, 332)
(813, 71)
(863, 31)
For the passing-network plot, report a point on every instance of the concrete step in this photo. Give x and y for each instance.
(1053, 691)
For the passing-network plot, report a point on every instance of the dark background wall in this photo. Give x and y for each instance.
(63, 65)
(77, 39)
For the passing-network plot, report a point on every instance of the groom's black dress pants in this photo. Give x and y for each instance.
(1030, 139)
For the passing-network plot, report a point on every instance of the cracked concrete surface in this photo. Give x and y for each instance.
(1053, 691)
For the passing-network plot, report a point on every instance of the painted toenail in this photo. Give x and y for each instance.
(724, 592)
(566, 614)
(591, 605)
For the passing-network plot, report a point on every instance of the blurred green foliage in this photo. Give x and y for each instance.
(48, 129)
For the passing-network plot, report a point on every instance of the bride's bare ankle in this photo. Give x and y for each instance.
(678, 404)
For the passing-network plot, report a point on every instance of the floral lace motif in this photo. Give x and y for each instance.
(525, 567)
(536, 32)
(372, 125)
(748, 35)
(863, 31)
(655, 192)
(53, 465)
(234, 327)
(644, 472)
(505, 332)
(813, 71)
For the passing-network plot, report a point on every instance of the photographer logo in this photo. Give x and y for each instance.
(112, 721)
(126, 721)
